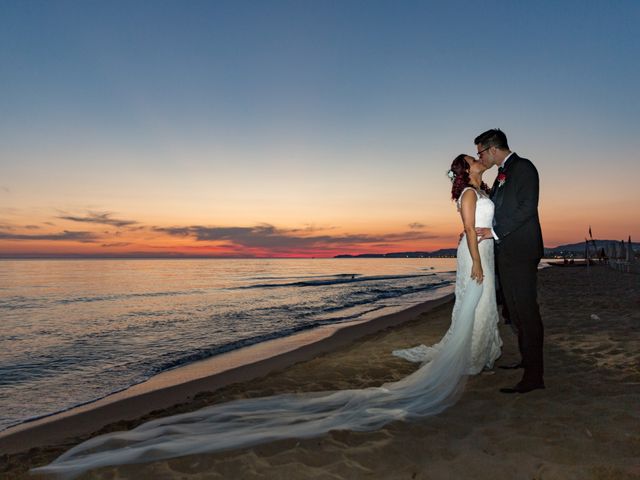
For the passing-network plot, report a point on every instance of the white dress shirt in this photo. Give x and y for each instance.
(502, 165)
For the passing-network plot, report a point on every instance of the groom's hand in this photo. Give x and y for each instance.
(483, 233)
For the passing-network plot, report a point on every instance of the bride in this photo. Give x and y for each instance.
(474, 262)
(471, 344)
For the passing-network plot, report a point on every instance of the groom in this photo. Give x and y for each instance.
(518, 249)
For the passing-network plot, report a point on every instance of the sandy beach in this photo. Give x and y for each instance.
(585, 425)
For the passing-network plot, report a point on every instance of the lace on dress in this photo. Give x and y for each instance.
(485, 339)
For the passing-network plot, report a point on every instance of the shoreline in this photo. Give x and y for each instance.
(180, 385)
(582, 426)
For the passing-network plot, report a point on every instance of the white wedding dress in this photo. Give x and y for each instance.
(471, 343)
(485, 340)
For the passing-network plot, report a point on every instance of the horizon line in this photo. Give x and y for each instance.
(178, 256)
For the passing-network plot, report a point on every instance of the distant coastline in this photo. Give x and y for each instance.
(573, 249)
(443, 253)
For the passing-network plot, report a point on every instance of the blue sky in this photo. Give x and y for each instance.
(263, 66)
(104, 101)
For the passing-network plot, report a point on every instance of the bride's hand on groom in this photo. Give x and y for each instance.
(483, 233)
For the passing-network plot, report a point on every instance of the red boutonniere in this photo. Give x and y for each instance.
(501, 179)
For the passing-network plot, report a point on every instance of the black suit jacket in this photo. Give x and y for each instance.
(516, 219)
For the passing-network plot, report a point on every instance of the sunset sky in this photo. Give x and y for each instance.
(305, 128)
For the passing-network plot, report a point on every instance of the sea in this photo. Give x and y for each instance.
(74, 331)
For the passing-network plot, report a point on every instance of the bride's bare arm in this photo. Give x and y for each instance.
(468, 213)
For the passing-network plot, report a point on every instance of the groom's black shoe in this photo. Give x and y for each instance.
(523, 388)
(511, 366)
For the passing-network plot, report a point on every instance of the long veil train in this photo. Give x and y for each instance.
(242, 423)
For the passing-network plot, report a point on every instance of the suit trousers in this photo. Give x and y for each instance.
(519, 282)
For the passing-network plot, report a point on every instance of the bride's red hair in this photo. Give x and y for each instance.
(460, 169)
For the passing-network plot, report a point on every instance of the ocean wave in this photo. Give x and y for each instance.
(177, 362)
(19, 302)
(74, 341)
(212, 351)
(171, 360)
(121, 296)
(205, 353)
(350, 299)
(287, 277)
(334, 280)
(61, 357)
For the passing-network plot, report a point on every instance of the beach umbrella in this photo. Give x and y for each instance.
(630, 256)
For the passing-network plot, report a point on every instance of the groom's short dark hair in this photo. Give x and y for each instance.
(492, 138)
